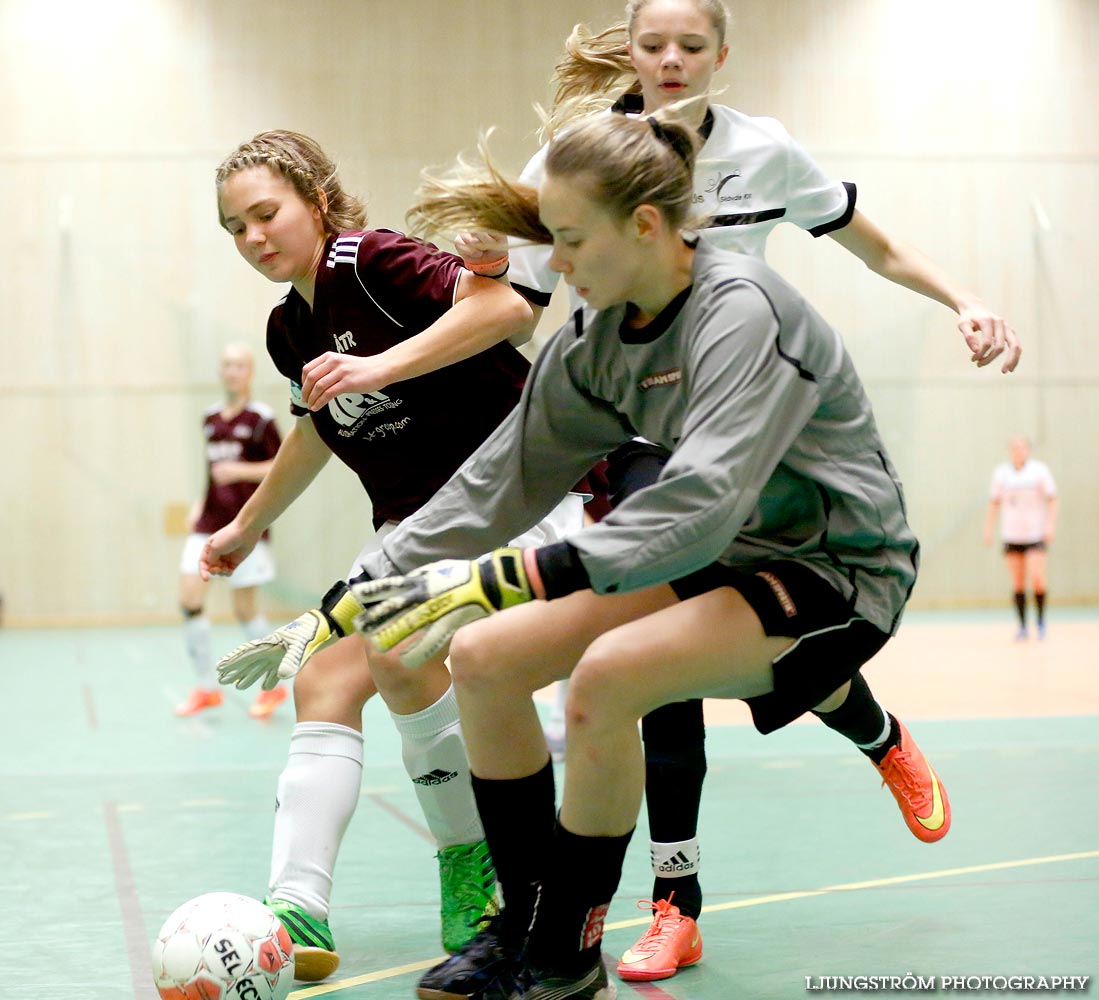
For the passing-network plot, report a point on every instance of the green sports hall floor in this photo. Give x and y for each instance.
(112, 812)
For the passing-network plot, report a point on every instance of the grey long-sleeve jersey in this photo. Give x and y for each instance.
(775, 451)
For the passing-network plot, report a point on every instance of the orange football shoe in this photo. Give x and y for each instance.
(267, 701)
(671, 942)
(199, 700)
(917, 789)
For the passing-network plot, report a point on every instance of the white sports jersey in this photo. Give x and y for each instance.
(1024, 496)
(750, 175)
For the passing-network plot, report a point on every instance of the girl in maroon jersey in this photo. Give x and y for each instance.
(399, 364)
(241, 442)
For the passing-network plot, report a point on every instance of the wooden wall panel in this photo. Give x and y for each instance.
(972, 133)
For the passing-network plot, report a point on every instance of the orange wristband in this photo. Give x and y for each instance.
(483, 267)
(534, 576)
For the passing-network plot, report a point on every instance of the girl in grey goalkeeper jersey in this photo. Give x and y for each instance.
(768, 562)
(749, 177)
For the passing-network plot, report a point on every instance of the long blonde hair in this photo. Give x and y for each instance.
(623, 162)
(306, 166)
(599, 64)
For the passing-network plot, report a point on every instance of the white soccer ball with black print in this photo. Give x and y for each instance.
(223, 946)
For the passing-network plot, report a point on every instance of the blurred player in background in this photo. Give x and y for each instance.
(241, 442)
(1024, 496)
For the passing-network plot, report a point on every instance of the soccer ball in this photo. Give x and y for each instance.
(223, 946)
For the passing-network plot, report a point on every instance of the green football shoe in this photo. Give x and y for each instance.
(467, 888)
(315, 955)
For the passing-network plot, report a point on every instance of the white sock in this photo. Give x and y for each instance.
(317, 795)
(196, 634)
(434, 755)
(674, 860)
(256, 628)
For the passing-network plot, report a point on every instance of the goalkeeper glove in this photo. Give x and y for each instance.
(286, 650)
(438, 599)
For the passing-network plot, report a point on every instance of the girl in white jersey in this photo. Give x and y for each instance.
(1023, 496)
(750, 176)
(770, 559)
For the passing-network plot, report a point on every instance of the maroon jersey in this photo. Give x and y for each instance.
(250, 436)
(373, 290)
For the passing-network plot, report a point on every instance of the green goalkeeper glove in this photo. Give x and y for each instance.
(438, 599)
(285, 651)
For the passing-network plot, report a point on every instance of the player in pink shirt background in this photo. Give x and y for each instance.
(241, 442)
(1024, 496)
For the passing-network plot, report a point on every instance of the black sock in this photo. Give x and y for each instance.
(519, 817)
(1040, 604)
(580, 881)
(675, 768)
(1020, 608)
(861, 719)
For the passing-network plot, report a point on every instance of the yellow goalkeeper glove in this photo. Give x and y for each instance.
(438, 599)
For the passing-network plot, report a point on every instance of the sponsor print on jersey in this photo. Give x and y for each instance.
(717, 186)
(348, 408)
(223, 451)
(673, 377)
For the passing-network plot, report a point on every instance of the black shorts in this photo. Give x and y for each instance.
(1010, 547)
(633, 466)
(791, 600)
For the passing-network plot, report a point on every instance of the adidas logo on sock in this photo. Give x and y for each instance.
(678, 864)
(436, 777)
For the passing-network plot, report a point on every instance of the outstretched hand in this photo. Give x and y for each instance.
(224, 551)
(988, 336)
(280, 655)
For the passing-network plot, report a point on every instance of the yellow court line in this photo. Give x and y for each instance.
(778, 897)
(370, 977)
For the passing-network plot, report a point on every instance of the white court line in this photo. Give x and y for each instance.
(779, 897)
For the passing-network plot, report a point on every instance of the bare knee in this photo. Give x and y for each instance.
(469, 665)
(192, 593)
(335, 685)
(408, 690)
(479, 663)
(599, 692)
(244, 604)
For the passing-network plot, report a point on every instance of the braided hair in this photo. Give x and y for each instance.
(304, 164)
